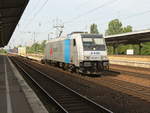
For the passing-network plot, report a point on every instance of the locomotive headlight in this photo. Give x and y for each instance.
(86, 57)
(104, 58)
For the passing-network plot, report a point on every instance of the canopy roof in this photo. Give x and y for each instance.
(129, 38)
(10, 13)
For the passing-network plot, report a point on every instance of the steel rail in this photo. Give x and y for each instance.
(19, 66)
(135, 74)
(99, 107)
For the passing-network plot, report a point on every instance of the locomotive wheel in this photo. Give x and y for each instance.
(42, 61)
(77, 70)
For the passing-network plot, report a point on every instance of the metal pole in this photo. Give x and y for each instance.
(114, 49)
(140, 48)
(48, 36)
(34, 42)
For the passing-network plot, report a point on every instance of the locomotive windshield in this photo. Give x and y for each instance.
(93, 43)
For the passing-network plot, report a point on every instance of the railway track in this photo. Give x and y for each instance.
(67, 99)
(127, 70)
(140, 75)
(128, 88)
(125, 87)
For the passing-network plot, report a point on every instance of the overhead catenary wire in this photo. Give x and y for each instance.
(137, 14)
(88, 12)
(37, 12)
(91, 11)
(103, 5)
(83, 3)
(33, 8)
(131, 16)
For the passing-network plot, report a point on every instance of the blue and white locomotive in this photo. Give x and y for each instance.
(80, 52)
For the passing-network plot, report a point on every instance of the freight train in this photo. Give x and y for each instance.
(79, 52)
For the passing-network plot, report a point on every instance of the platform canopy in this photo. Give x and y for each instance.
(136, 37)
(10, 13)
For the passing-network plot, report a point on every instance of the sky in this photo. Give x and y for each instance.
(40, 16)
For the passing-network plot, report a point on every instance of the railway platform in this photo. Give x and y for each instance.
(130, 60)
(15, 95)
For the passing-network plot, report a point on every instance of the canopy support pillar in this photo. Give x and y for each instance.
(140, 48)
(115, 52)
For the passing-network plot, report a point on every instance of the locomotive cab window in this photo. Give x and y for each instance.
(99, 41)
(93, 43)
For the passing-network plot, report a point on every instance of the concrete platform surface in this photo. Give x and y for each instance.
(137, 58)
(15, 95)
(130, 60)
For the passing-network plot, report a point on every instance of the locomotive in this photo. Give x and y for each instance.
(79, 52)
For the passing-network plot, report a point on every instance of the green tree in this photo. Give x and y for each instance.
(43, 46)
(114, 27)
(127, 29)
(37, 48)
(3, 51)
(94, 29)
(146, 48)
